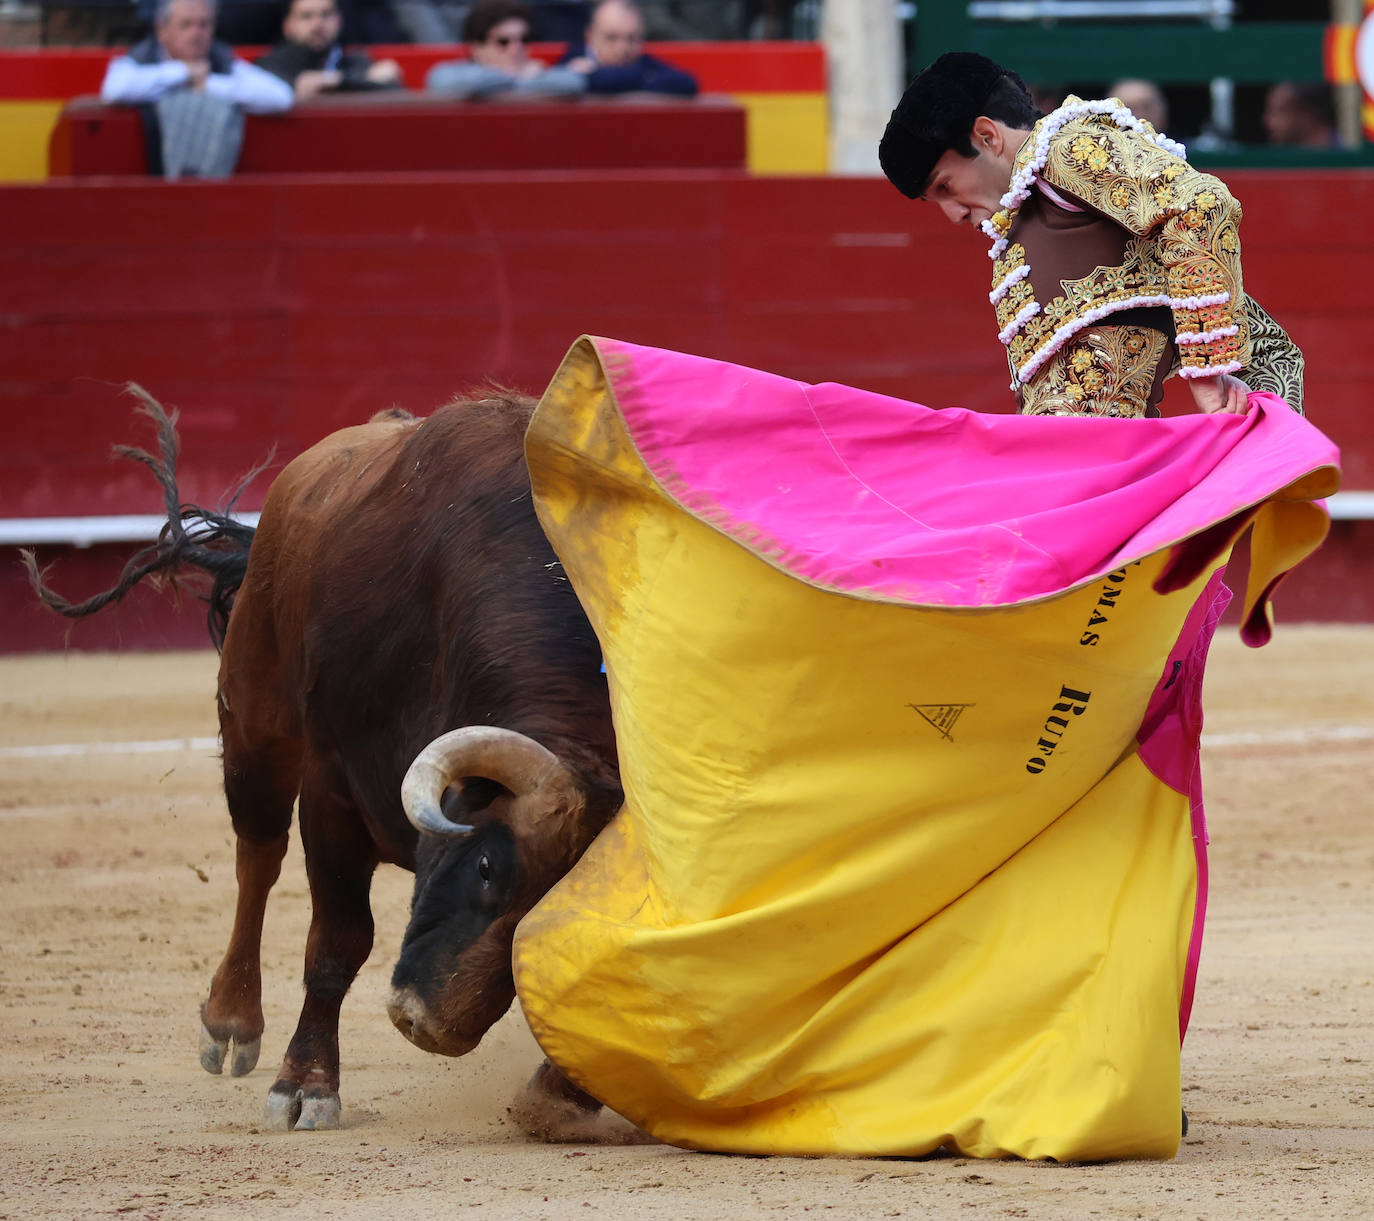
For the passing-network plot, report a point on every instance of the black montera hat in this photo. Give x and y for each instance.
(935, 114)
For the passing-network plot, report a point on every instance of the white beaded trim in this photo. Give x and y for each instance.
(1096, 314)
(1012, 278)
(1197, 302)
(1019, 190)
(999, 243)
(1027, 313)
(1192, 371)
(1187, 337)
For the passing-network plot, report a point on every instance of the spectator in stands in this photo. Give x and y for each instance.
(1302, 116)
(613, 58)
(310, 59)
(497, 33)
(1144, 99)
(194, 91)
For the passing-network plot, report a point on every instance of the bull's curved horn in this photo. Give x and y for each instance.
(514, 761)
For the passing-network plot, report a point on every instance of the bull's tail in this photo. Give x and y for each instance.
(209, 540)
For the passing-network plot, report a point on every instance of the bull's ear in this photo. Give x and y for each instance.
(471, 797)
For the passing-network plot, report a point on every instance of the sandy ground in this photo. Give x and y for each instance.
(116, 888)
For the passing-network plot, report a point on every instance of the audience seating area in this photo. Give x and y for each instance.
(763, 107)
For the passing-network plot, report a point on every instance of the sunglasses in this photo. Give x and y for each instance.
(505, 40)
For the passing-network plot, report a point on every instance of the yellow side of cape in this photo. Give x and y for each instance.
(879, 885)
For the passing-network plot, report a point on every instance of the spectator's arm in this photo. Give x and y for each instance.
(464, 79)
(253, 88)
(359, 73)
(286, 60)
(128, 83)
(461, 78)
(644, 75)
(553, 83)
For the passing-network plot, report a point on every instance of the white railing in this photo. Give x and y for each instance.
(82, 532)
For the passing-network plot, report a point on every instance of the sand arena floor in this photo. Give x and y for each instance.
(117, 884)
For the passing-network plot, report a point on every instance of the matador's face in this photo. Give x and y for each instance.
(968, 190)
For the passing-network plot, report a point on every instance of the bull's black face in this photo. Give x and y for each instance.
(453, 978)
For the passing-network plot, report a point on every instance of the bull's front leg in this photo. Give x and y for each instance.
(551, 1108)
(340, 860)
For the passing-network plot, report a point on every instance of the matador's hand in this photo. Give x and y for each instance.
(1220, 393)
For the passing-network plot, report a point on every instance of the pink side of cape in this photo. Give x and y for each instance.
(876, 496)
(1169, 744)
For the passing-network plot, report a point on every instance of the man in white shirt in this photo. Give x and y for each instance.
(182, 54)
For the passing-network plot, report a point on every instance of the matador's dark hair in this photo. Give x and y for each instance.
(938, 110)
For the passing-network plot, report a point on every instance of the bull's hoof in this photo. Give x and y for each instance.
(554, 1120)
(319, 1114)
(286, 1112)
(213, 1052)
(245, 1057)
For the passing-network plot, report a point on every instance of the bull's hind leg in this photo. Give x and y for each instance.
(260, 785)
(340, 859)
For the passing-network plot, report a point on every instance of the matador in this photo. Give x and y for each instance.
(1115, 263)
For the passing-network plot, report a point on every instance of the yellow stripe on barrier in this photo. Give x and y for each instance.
(788, 133)
(25, 128)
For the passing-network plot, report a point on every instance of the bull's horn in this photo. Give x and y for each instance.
(514, 761)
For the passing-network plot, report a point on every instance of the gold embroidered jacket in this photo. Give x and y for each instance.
(1154, 248)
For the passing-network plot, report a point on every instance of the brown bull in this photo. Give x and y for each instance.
(397, 587)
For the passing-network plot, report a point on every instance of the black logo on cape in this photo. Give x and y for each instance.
(940, 716)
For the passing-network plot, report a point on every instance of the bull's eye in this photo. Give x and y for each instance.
(484, 869)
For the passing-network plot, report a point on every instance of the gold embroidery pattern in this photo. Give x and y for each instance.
(1019, 294)
(1276, 363)
(1186, 245)
(1191, 217)
(1103, 371)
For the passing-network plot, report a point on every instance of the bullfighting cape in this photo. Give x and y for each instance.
(907, 705)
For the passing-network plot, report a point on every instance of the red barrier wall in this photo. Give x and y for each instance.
(377, 133)
(274, 310)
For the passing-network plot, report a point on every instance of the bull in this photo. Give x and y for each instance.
(398, 592)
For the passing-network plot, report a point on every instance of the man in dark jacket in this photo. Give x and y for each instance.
(613, 58)
(311, 60)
